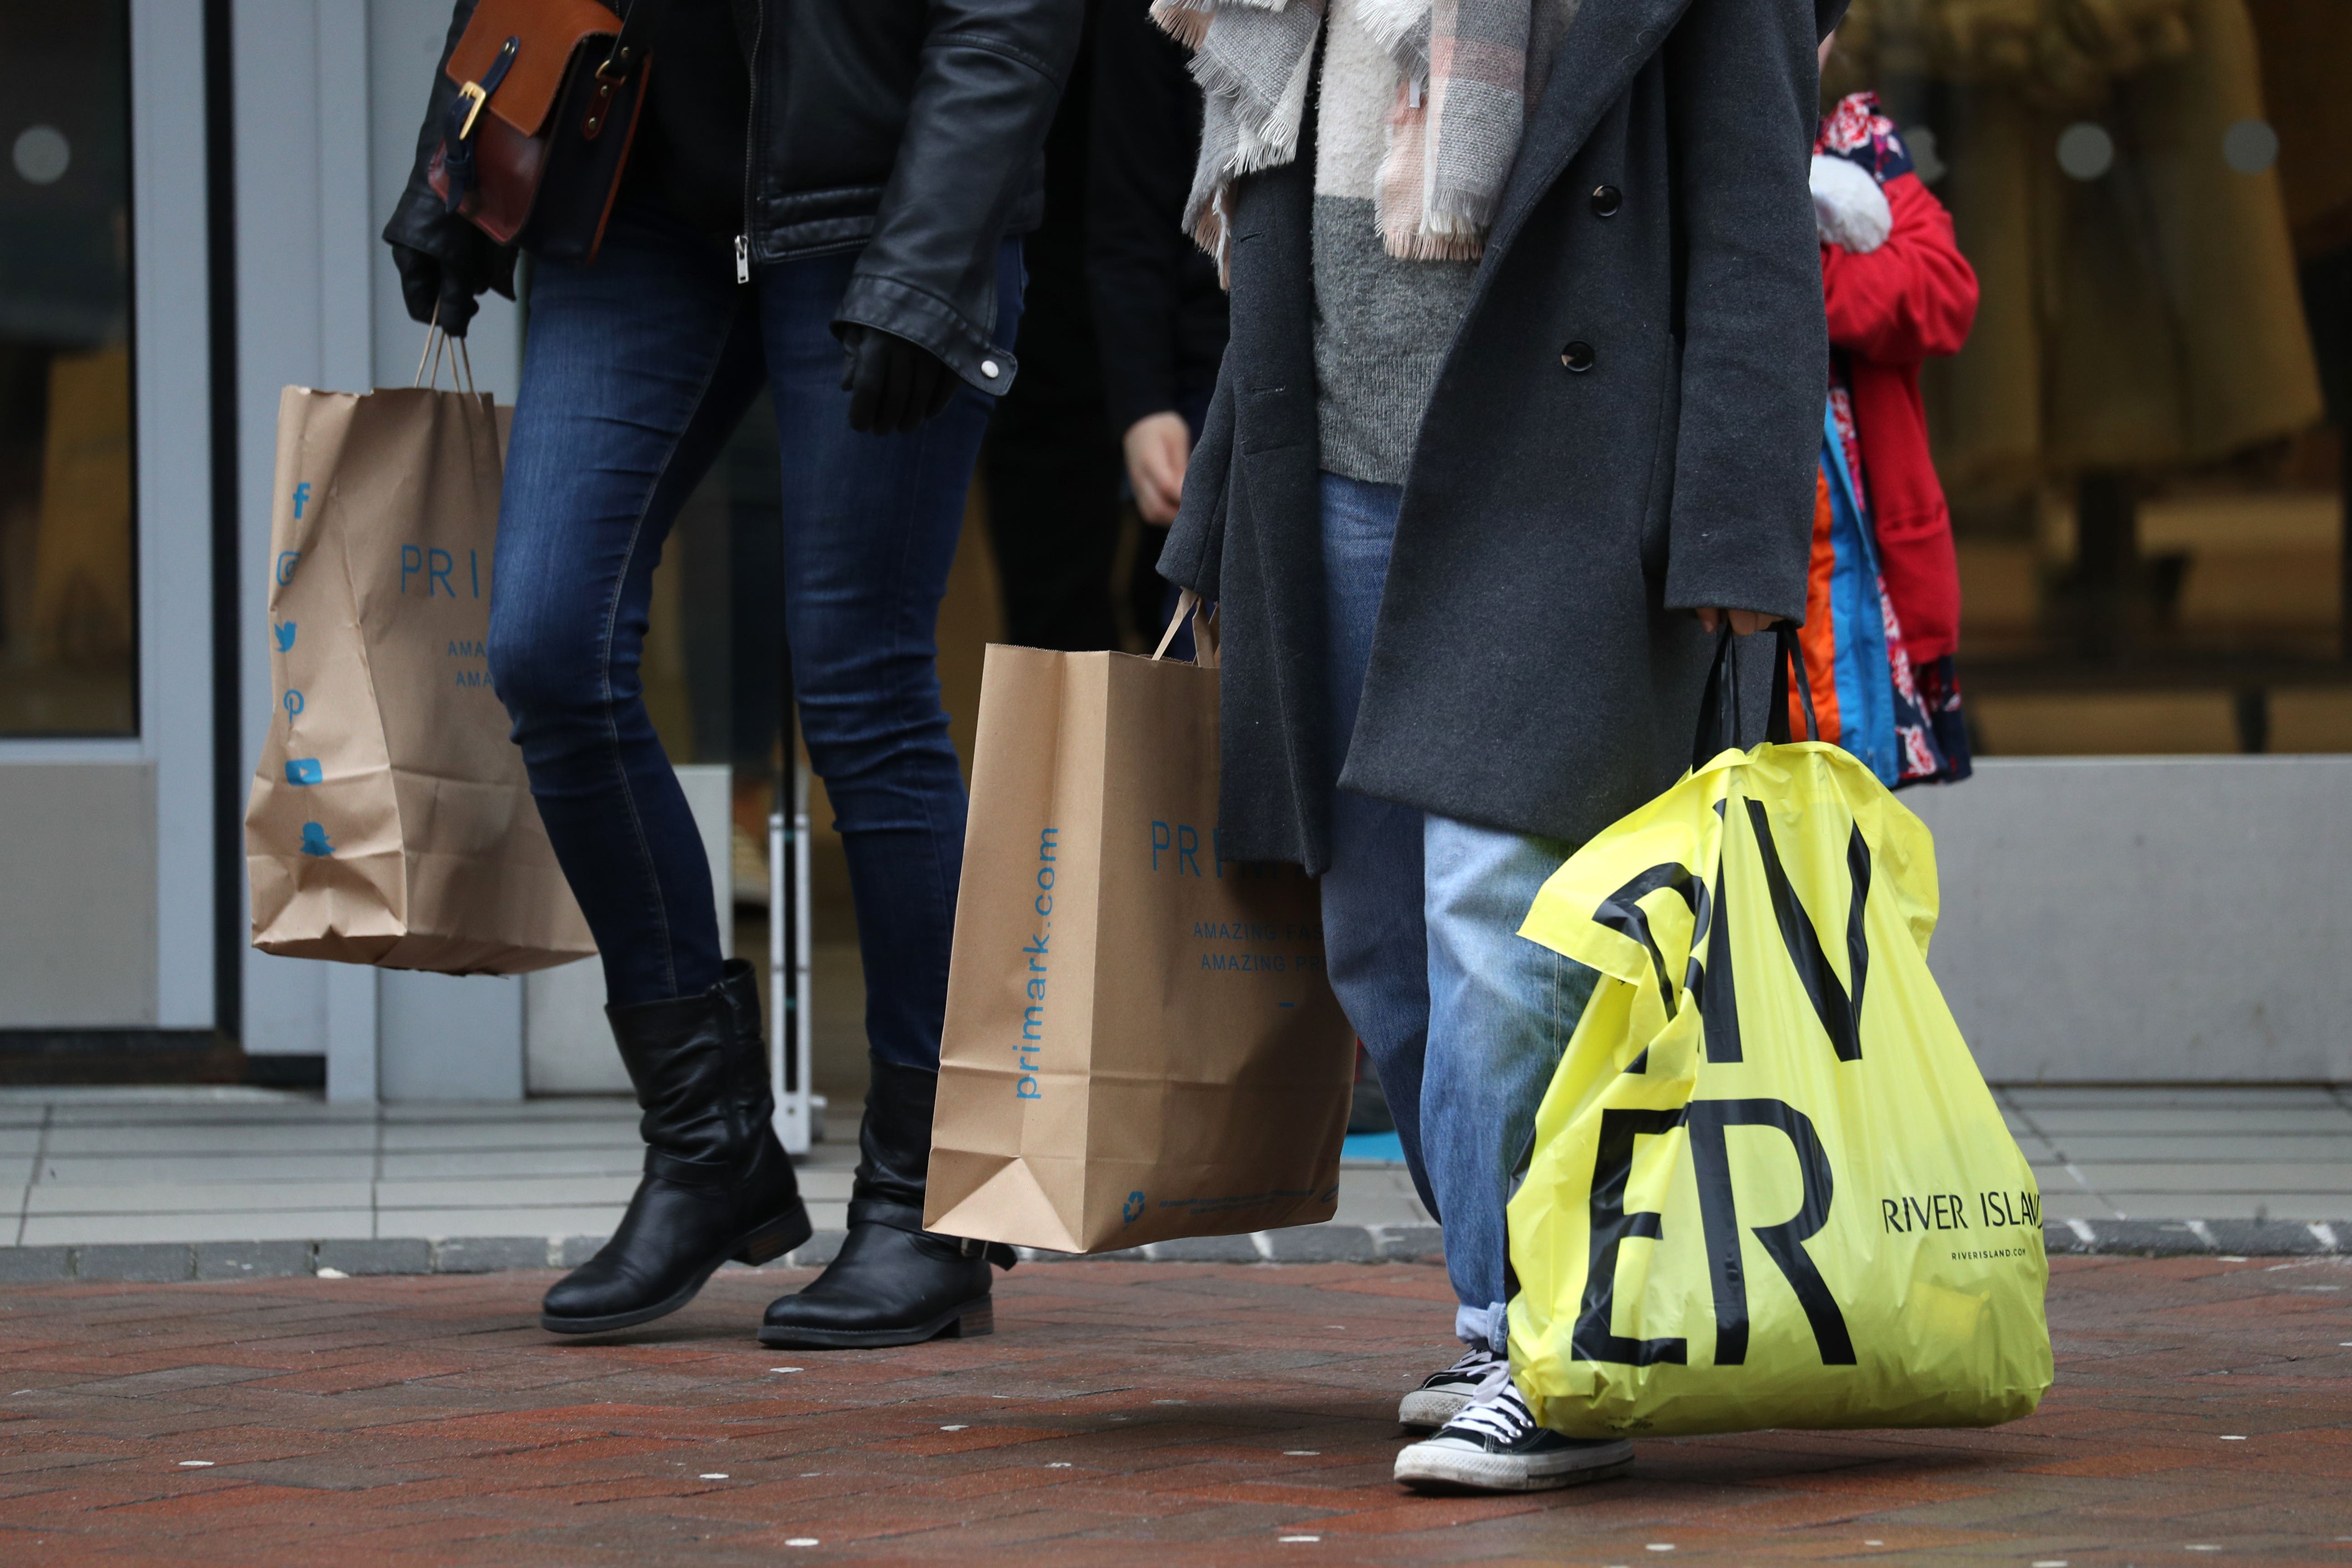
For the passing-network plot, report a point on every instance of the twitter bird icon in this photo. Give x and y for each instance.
(283, 635)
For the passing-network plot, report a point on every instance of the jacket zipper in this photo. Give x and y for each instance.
(751, 123)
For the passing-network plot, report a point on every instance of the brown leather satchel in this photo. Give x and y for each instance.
(538, 135)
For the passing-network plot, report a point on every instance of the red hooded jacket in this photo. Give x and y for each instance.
(1890, 309)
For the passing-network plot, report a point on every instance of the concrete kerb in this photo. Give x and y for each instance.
(217, 1261)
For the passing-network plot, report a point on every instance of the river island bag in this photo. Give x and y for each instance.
(1768, 1186)
(389, 822)
(1140, 1040)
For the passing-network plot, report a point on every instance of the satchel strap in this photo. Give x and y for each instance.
(627, 45)
(465, 112)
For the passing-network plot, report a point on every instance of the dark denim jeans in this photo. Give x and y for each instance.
(637, 370)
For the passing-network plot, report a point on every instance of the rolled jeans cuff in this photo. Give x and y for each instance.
(1489, 1326)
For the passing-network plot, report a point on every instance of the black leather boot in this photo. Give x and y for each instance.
(717, 1185)
(893, 1283)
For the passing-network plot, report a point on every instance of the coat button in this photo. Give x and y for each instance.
(988, 367)
(1606, 200)
(1576, 357)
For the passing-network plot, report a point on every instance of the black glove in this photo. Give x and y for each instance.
(893, 384)
(427, 281)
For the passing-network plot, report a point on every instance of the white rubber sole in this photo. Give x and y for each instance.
(1432, 1465)
(1429, 1408)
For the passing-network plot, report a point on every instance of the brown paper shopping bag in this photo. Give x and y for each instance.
(390, 820)
(1140, 1040)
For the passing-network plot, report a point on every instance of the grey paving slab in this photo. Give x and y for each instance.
(487, 1254)
(1205, 1249)
(565, 1107)
(2335, 1207)
(1379, 1197)
(2206, 1120)
(2241, 1176)
(307, 1110)
(386, 1257)
(152, 1261)
(584, 1134)
(34, 1265)
(194, 1198)
(1410, 1243)
(614, 1159)
(208, 1137)
(508, 1193)
(2132, 1097)
(2202, 1149)
(447, 1222)
(1312, 1243)
(253, 1259)
(117, 1170)
(228, 1224)
(2072, 1204)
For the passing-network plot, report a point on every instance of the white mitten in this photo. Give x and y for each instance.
(1849, 209)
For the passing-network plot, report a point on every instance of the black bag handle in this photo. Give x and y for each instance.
(1789, 654)
(1718, 705)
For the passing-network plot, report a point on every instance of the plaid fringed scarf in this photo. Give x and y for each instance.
(1453, 131)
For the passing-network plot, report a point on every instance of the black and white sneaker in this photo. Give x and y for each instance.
(1442, 1394)
(1495, 1445)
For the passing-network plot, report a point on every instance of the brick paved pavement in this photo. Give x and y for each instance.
(1172, 1413)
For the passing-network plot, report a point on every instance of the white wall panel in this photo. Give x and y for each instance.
(2148, 918)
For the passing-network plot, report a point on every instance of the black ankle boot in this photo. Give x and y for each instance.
(717, 1185)
(893, 1283)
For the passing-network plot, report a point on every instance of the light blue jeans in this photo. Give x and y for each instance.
(1465, 1019)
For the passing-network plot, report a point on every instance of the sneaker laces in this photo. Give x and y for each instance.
(1497, 1410)
(1475, 1365)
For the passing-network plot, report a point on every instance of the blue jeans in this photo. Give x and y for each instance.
(637, 370)
(1465, 1019)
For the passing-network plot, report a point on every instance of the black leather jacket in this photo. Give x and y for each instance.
(907, 129)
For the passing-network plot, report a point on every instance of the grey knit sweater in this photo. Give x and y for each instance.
(1381, 325)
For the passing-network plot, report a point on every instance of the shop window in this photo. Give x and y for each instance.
(2143, 439)
(69, 632)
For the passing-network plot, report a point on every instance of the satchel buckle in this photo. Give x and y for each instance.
(473, 94)
(478, 93)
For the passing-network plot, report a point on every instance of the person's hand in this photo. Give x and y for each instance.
(427, 282)
(1745, 622)
(1158, 447)
(893, 384)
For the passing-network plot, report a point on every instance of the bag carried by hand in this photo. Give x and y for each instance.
(1768, 1187)
(1140, 1042)
(389, 822)
(538, 135)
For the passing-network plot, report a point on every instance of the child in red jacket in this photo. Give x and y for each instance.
(1897, 291)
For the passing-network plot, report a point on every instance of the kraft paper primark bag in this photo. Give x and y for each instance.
(389, 822)
(1140, 1043)
(1768, 1186)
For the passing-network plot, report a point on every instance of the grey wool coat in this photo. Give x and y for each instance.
(1626, 427)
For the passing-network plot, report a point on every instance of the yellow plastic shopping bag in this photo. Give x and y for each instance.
(1768, 1187)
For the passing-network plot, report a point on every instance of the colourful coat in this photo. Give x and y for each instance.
(1889, 310)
